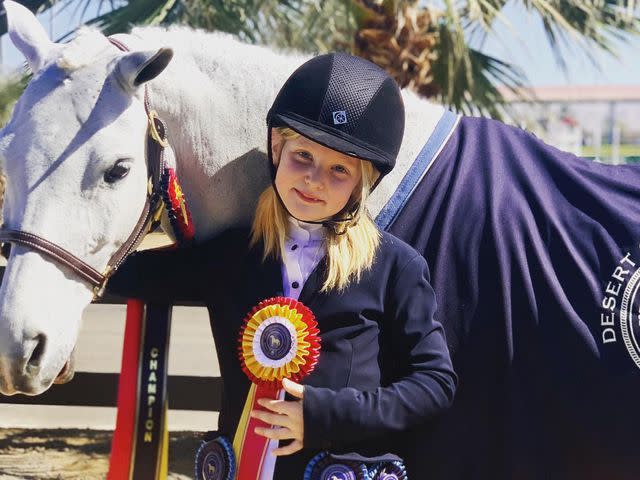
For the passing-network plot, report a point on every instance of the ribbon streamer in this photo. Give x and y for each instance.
(141, 438)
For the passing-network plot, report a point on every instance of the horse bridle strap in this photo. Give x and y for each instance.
(61, 256)
(54, 252)
(156, 143)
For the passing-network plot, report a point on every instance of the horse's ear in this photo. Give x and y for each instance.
(136, 68)
(27, 34)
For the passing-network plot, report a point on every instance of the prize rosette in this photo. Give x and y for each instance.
(215, 460)
(324, 467)
(279, 339)
(389, 471)
(176, 205)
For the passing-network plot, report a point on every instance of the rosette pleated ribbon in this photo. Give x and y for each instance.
(352, 466)
(389, 471)
(279, 339)
(176, 207)
(215, 460)
(324, 467)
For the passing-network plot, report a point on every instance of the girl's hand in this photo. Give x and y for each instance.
(287, 416)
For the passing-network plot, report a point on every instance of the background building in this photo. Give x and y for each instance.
(598, 122)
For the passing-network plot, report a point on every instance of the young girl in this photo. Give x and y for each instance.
(334, 131)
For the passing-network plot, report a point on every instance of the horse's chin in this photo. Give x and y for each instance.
(67, 372)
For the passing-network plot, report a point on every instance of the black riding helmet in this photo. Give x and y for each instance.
(345, 103)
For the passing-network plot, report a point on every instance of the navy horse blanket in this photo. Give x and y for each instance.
(535, 261)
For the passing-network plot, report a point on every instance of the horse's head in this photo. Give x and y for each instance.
(74, 157)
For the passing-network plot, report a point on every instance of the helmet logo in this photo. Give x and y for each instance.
(339, 117)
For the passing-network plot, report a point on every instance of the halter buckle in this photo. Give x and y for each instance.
(153, 116)
(98, 290)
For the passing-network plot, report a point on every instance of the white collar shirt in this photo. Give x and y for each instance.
(304, 248)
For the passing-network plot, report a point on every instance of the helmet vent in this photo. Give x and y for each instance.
(351, 87)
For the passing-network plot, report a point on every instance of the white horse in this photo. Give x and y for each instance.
(81, 117)
(534, 253)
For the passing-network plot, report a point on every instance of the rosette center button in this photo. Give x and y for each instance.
(275, 342)
(338, 472)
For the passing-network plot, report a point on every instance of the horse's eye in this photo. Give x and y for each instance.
(117, 172)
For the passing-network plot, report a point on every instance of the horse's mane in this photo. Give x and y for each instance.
(213, 50)
(200, 43)
(202, 46)
(88, 44)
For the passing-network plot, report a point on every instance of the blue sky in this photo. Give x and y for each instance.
(523, 44)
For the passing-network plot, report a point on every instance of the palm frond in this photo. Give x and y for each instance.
(135, 12)
(80, 8)
(588, 25)
(456, 63)
(423, 48)
(427, 51)
(308, 25)
(10, 90)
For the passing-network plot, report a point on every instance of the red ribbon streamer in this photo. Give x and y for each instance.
(122, 445)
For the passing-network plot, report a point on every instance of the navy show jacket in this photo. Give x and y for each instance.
(384, 369)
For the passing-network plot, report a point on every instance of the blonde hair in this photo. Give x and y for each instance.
(351, 244)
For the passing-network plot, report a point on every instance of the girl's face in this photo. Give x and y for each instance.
(313, 181)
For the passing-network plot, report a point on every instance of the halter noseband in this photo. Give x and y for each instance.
(156, 143)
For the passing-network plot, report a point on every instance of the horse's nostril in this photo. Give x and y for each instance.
(38, 342)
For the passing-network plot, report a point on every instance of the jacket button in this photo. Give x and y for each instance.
(295, 284)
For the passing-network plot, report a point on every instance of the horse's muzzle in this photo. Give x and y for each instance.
(17, 380)
(28, 379)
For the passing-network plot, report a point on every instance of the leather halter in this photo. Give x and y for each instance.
(156, 143)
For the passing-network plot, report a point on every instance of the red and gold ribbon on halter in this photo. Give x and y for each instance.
(176, 207)
(279, 339)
